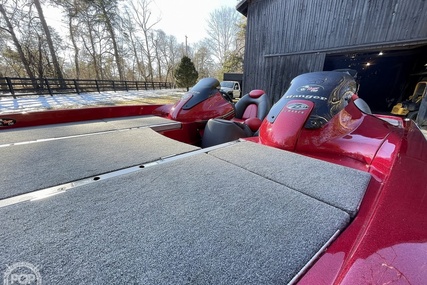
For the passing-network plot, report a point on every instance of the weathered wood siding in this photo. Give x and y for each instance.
(288, 37)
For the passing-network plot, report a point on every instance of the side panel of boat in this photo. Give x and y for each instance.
(283, 130)
(75, 115)
(386, 243)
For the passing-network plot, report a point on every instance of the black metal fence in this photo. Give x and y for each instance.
(21, 87)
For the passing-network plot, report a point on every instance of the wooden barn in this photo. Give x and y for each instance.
(385, 41)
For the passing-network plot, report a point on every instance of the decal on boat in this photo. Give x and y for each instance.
(302, 96)
(297, 106)
(6, 122)
(310, 88)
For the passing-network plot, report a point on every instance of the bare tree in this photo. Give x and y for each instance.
(97, 53)
(222, 30)
(157, 58)
(73, 9)
(203, 59)
(135, 63)
(10, 30)
(142, 17)
(109, 12)
(134, 45)
(234, 58)
(55, 61)
(106, 41)
(167, 53)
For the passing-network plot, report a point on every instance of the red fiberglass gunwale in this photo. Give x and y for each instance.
(312, 190)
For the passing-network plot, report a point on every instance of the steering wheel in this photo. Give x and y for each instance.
(225, 95)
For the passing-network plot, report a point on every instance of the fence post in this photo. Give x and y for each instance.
(10, 86)
(152, 84)
(3, 84)
(46, 81)
(114, 86)
(126, 86)
(76, 86)
(97, 85)
(136, 84)
(145, 85)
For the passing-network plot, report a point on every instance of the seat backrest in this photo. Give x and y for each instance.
(255, 104)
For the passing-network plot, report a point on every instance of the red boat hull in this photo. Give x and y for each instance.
(386, 241)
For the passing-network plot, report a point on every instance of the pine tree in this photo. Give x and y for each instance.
(186, 74)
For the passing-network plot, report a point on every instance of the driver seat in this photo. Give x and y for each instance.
(250, 110)
(252, 105)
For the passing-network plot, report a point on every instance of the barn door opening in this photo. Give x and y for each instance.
(386, 76)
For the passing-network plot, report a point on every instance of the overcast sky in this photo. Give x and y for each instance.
(178, 17)
(187, 17)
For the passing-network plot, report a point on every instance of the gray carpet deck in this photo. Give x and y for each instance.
(39, 165)
(241, 214)
(86, 127)
(336, 185)
(174, 223)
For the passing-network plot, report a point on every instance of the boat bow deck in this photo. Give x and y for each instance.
(205, 217)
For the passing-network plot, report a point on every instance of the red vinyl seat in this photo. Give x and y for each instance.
(252, 108)
(253, 104)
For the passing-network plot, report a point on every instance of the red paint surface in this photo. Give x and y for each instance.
(285, 131)
(386, 243)
(213, 107)
(75, 115)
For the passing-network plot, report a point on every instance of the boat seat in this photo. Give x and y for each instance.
(219, 131)
(250, 110)
(255, 104)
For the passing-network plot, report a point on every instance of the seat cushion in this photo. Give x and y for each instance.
(250, 111)
(253, 104)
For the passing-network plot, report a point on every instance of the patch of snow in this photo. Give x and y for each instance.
(68, 101)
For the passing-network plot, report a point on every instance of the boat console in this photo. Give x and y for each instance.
(203, 102)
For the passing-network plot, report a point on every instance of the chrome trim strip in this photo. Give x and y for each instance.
(310, 263)
(166, 127)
